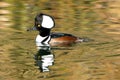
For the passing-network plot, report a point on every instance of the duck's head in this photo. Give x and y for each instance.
(44, 23)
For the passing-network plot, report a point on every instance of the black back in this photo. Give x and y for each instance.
(57, 35)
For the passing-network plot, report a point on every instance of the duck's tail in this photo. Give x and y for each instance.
(84, 39)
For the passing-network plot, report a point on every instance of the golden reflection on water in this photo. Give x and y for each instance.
(98, 20)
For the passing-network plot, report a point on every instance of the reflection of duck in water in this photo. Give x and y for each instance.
(44, 23)
(44, 58)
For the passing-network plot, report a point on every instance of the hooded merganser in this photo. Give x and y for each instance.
(44, 23)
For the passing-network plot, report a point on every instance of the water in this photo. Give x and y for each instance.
(94, 60)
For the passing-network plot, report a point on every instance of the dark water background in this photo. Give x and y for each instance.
(95, 19)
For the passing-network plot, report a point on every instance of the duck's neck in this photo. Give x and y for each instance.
(44, 36)
(44, 31)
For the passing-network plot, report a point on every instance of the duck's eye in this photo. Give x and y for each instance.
(38, 25)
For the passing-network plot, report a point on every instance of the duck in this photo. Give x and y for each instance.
(43, 24)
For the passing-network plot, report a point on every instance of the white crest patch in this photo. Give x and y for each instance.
(47, 22)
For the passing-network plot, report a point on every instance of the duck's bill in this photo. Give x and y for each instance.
(31, 29)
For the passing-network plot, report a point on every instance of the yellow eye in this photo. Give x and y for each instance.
(38, 25)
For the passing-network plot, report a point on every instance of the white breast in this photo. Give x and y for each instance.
(40, 39)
